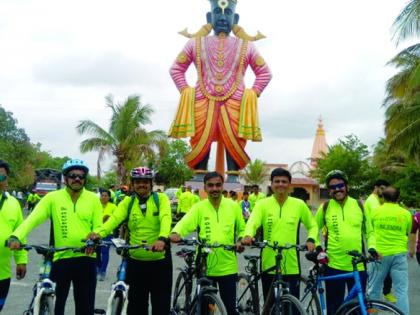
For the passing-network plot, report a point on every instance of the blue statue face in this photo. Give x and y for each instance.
(222, 16)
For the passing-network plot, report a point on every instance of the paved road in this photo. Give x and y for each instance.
(20, 291)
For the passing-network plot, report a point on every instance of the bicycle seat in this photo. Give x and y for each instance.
(99, 311)
(251, 257)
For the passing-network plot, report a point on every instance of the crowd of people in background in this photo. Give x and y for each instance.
(339, 225)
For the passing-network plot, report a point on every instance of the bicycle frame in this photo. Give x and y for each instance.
(120, 287)
(43, 286)
(255, 276)
(356, 290)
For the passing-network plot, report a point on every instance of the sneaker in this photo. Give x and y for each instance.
(390, 297)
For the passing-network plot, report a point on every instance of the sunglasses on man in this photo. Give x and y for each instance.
(3, 178)
(337, 186)
(75, 176)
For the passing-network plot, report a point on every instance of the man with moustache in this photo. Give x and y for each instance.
(280, 216)
(74, 213)
(10, 219)
(219, 220)
(346, 224)
(148, 217)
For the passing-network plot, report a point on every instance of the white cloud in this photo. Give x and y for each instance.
(59, 59)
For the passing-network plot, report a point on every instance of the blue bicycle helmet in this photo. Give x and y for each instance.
(74, 164)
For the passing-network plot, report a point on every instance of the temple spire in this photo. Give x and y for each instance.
(320, 143)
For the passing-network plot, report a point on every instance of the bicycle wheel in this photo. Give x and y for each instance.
(211, 304)
(289, 305)
(46, 305)
(182, 294)
(247, 296)
(117, 304)
(309, 297)
(373, 307)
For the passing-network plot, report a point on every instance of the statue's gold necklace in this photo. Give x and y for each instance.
(218, 77)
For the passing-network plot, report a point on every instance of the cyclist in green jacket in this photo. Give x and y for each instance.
(346, 224)
(10, 219)
(374, 200)
(391, 225)
(220, 221)
(280, 216)
(148, 216)
(74, 213)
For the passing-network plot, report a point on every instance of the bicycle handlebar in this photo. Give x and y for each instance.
(275, 246)
(204, 244)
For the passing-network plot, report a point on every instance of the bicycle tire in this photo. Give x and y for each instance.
(116, 305)
(310, 299)
(289, 305)
(373, 307)
(46, 305)
(248, 300)
(182, 295)
(211, 304)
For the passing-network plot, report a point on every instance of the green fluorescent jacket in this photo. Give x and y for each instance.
(371, 203)
(345, 229)
(144, 229)
(222, 226)
(281, 224)
(10, 219)
(391, 225)
(72, 222)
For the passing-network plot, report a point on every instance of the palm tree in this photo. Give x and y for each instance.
(402, 101)
(407, 24)
(255, 172)
(126, 138)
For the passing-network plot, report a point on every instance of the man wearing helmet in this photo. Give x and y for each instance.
(345, 224)
(148, 216)
(74, 213)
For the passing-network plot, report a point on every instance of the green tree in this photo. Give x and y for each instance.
(402, 102)
(402, 125)
(126, 138)
(172, 169)
(351, 156)
(255, 172)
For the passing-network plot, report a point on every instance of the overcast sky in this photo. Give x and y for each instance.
(59, 59)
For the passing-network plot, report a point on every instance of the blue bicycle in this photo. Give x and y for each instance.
(355, 303)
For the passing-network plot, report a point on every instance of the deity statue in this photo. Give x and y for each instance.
(219, 108)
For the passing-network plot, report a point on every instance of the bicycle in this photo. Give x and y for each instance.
(247, 290)
(206, 300)
(284, 302)
(184, 283)
(118, 299)
(43, 299)
(356, 301)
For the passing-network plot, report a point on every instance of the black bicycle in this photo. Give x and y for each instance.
(249, 298)
(279, 300)
(205, 301)
(184, 283)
